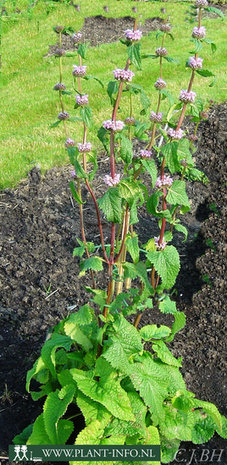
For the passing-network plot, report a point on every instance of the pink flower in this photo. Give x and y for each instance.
(166, 181)
(159, 246)
(160, 84)
(79, 70)
(114, 125)
(161, 52)
(187, 97)
(195, 63)
(111, 181)
(69, 142)
(133, 35)
(165, 27)
(157, 117)
(63, 115)
(76, 37)
(199, 32)
(201, 3)
(175, 133)
(143, 154)
(73, 174)
(124, 75)
(82, 99)
(86, 147)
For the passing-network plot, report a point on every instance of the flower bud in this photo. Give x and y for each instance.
(160, 84)
(82, 99)
(130, 121)
(59, 52)
(201, 3)
(59, 86)
(204, 115)
(161, 52)
(165, 27)
(69, 142)
(63, 115)
(58, 29)
(109, 181)
(175, 133)
(76, 37)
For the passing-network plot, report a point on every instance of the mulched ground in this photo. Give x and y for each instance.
(37, 235)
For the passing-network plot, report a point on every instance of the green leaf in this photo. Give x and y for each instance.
(212, 9)
(23, 437)
(75, 195)
(140, 128)
(54, 125)
(151, 167)
(166, 263)
(177, 424)
(82, 48)
(149, 332)
(171, 155)
(87, 78)
(39, 435)
(112, 89)
(169, 449)
(171, 60)
(49, 349)
(221, 431)
(133, 248)
(103, 136)
(79, 170)
(77, 334)
(177, 194)
(86, 116)
(145, 102)
(79, 251)
(134, 54)
(204, 72)
(107, 392)
(179, 323)
(93, 433)
(152, 204)
(90, 409)
(165, 355)
(128, 190)
(92, 263)
(84, 316)
(125, 343)
(149, 381)
(110, 204)
(203, 430)
(54, 408)
(183, 229)
(126, 149)
(166, 94)
(211, 410)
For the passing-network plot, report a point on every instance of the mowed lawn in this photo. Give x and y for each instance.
(29, 105)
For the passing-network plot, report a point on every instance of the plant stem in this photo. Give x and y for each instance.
(124, 235)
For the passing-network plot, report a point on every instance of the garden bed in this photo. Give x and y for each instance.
(39, 278)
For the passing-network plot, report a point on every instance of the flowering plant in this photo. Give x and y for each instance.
(95, 367)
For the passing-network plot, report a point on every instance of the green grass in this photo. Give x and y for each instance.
(30, 104)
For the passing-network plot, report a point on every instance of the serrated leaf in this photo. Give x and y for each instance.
(133, 248)
(166, 263)
(145, 102)
(86, 116)
(79, 170)
(168, 306)
(203, 430)
(171, 155)
(103, 136)
(152, 386)
(126, 149)
(223, 431)
(112, 89)
(166, 94)
(152, 205)
(140, 128)
(128, 190)
(82, 50)
(177, 194)
(165, 355)
(149, 332)
(110, 205)
(125, 342)
(79, 251)
(151, 167)
(75, 195)
(77, 334)
(84, 316)
(23, 437)
(54, 408)
(169, 449)
(39, 435)
(91, 410)
(49, 349)
(177, 424)
(93, 433)
(179, 323)
(211, 410)
(107, 392)
(92, 263)
(134, 54)
(182, 229)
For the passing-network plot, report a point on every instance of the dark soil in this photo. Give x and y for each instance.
(99, 30)
(39, 278)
